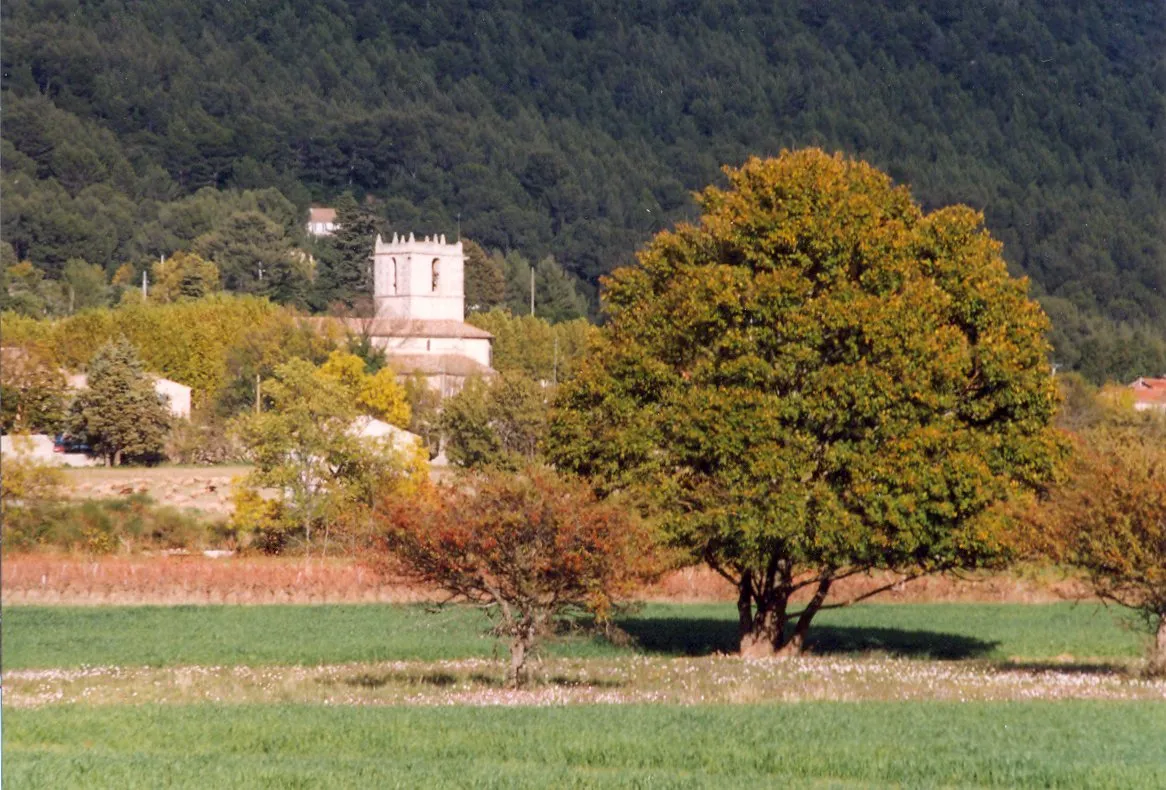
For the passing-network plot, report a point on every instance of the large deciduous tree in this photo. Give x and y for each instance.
(529, 547)
(120, 414)
(816, 380)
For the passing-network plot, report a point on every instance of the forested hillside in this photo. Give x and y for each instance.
(577, 129)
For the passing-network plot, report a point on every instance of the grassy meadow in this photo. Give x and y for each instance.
(43, 637)
(893, 695)
(929, 744)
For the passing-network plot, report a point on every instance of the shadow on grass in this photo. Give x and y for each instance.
(1066, 668)
(370, 680)
(697, 637)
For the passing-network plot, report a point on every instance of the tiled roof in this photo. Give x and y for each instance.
(318, 214)
(1151, 391)
(397, 327)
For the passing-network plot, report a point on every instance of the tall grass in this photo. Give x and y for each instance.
(256, 635)
(921, 744)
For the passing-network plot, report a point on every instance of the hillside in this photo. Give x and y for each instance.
(577, 129)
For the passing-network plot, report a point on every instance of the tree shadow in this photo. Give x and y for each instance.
(595, 683)
(702, 636)
(370, 680)
(899, 643)
(1067, 668)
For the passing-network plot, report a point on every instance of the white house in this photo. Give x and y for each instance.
(321, 221)
(177, 395)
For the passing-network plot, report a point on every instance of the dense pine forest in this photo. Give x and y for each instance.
(134, 129)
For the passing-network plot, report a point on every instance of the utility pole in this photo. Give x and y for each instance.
(532, 290)
(145, 288)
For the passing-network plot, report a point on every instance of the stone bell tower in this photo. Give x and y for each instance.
(419, 279)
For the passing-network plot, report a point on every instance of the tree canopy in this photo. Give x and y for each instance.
(119, 414)
(818, 379)
(528, 547)
(576, 129)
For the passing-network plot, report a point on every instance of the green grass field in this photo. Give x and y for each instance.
(42, 637)
(1019, 744)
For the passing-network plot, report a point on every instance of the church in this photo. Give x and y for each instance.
(419, 297)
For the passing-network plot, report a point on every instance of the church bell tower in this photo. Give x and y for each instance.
(419, 279)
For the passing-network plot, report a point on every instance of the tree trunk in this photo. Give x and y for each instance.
(797, 641)
(1157, 666)
(516, 675)
(117, 458)
(766, 626)
(744, 606)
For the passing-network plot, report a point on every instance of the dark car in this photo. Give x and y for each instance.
(69, 444)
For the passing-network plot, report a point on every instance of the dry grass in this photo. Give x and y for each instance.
(203, 489)
(636, 679)
(194, 579)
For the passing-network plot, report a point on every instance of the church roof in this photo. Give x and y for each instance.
(401, 327)
(437, 364)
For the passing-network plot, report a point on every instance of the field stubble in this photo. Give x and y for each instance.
(51, 578)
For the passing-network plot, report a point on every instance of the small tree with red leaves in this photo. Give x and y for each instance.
(528, 547)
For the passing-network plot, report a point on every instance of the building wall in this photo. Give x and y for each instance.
(404, 279)
(476, 348)
(39, 448)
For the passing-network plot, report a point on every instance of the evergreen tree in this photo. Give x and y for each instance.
(120, 415)
(485, 279)
(346, 273)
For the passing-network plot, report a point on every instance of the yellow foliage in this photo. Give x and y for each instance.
(379, 394)
(124, 275)
(26, 481)
(252, 512)
(385, 398)
(346, 368)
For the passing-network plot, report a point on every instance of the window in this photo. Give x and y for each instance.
(394, 275)
(436, 273)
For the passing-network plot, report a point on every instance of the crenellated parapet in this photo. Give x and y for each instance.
(419, 279)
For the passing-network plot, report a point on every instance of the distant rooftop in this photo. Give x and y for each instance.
(400, 327)
(1149, 393)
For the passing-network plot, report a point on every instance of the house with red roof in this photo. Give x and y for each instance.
(1149, 393)
(321, 221)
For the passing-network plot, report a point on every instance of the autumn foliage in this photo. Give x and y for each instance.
(1108, 518)
(529, 547)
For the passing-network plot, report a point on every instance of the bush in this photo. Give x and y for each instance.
(105, 526)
